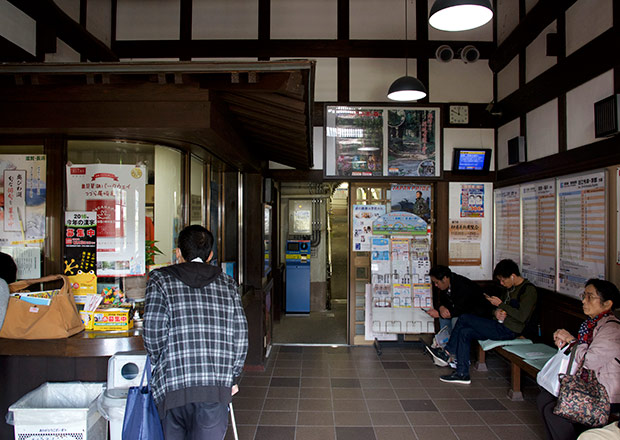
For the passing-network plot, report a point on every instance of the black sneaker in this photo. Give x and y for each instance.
(456, 378)
(440, 357)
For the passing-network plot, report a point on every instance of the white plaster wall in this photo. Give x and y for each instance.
(508, 79)
(304, 19)
(586, 20)
(507, 16)
(70, 7)
(317, 149)
(64, 54)
(148, 20)
(505, 132)
(371, 77)
(457, 81)
(373, 20)
(224, 19)
(17, 27)
(542, 131)
(168, 199)
(466, 138)
(536, 59)
(483, 33)
(98, 19)
(580, 109)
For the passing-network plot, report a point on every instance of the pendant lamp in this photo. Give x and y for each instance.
(460, 15)
(406, 88)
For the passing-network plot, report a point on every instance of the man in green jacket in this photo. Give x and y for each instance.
(511, 316)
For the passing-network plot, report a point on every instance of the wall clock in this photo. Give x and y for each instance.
(459, 114)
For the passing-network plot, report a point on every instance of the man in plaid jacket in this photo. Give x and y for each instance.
(196, 334)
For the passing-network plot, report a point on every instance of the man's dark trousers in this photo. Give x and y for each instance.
(470, 327)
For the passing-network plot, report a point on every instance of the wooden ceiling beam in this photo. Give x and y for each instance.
(273, 100)
(291, 48)
(294, 110)
(67, 29)
(261, 125)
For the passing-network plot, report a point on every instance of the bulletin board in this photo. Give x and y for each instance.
(471, 229)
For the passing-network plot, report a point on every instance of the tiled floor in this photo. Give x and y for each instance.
(350, 393)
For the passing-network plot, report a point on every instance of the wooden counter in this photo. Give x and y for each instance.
(24, 364)
(84, 344)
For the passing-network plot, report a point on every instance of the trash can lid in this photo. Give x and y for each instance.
(116, 393)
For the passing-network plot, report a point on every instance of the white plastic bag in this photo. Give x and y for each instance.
(548, 377)
(441, 338)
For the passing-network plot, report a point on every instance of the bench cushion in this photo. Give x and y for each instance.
(490, 344)
(533, 351)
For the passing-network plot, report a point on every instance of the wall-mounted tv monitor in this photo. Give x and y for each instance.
(471, 160)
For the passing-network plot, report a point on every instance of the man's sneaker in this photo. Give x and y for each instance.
(456, 378)
(440, 357)
(452, 364)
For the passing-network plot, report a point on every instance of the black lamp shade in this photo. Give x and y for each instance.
(460, 15)
(406, 88)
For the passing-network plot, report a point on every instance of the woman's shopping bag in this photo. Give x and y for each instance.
(25, 320)
(141, 418)
(549, 376)
(583, 399)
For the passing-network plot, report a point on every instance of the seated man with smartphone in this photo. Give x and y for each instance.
(510, 317)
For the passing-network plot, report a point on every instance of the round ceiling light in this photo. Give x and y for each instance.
(406, 88)
(460, 15)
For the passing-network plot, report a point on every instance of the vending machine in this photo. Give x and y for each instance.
(298, 276)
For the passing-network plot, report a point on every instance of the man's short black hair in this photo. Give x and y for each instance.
(418, 192)
(8, 268)
(606, 290)
(195, 241)
(440, 272)
(505, 268)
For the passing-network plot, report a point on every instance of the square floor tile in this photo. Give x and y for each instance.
(350, 405)
(452, 405)
(486, 405)
(315, 393)
(426, 418)
(283, 392)
(345, 383)
(275, 433)
(284, 382)
(355, 433)
(243, 432)
(389, 419)
(462, 418)
(418, 405)
(434, 433)
(395, 365)
(315, 433)
(280, 404)
(383, 405)
(475, 433)
(394, 433)
(379, 393)
(315, 418)
(315, 405)
(315, 382)
(352, 419)
(521, 432)
(273, 418)
(347, 393)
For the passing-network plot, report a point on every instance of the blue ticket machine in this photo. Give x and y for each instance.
(298, 276)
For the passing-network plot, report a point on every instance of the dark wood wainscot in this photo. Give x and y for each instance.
(24, 365)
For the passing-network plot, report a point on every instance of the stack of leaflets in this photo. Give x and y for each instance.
(41, 298)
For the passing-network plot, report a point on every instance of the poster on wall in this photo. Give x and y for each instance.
(538, 201)
(472, 200)
(363, 217)
(415, 199)
(508, 224)
(22, 199)
(80, 262)
(583, 235)
(358, 137)
(378, 141)
(412, 147)
(116, 193)
(465, 242)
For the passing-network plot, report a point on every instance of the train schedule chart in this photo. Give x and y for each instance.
(538, 204)
(508, 224)
(583, 234)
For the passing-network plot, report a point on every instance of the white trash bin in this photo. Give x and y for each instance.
(124, 371)
(55, 410)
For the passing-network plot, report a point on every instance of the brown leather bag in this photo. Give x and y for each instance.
(58, 320)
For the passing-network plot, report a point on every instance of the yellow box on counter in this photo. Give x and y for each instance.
(117, 318)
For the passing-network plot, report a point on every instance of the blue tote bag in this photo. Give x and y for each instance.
(141, 418)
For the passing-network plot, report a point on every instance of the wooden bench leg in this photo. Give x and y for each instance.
(481, 363)
(515, 393)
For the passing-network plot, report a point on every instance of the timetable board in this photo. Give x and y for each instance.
(538, 205)
(507, 224)
(583, 234)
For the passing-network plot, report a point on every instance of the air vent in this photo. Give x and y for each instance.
(606, 116)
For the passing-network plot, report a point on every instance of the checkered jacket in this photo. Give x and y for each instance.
(195, 332)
